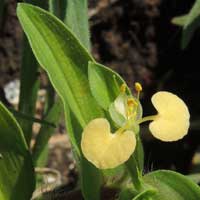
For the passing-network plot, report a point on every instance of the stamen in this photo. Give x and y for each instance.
(131, 103)
(138, 88)
(123, 88)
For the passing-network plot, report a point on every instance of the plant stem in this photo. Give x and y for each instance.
(131, 165)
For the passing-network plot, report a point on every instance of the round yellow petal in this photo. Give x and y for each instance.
(172, 122)
(104, 149)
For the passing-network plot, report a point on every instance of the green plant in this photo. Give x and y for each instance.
(95, 99)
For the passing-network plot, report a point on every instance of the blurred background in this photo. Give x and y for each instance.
(137, 39)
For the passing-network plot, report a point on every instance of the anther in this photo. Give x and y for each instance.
(131, 102)
(123, 88)
(138, 87)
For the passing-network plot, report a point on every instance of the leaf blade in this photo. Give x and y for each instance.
(172, 185)
(77, 19)
(17, 179)
(64, 51)
(66, 62)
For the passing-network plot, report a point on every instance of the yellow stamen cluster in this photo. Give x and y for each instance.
(132, 105)
(131, 102)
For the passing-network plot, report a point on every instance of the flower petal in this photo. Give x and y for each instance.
(172, 122)
(104, 149)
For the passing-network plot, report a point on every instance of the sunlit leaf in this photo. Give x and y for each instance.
(63, 57)
(66, 62)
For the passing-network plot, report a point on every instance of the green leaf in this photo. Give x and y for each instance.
(42, 3)
(46, 131)
(77, 20)
(74, 130)
(29, 85)
(180, 20)
(29, 82)
(147, 194)
(90, 175)
(66, 62)
(191, 24)
(91, 179)
(104, 84)
(139, 153)
(135, 172)
(58, 8)
(172, 185)
(130, 193)
(17, 180)
(64, 59)
(75, 16)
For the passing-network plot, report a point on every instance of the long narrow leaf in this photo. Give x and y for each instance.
(29, 82)
(66, 62)
(77, 19)
(63, 57)
(58, 8)
(90, 176)
(17, 179)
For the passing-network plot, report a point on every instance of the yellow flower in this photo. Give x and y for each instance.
(104, 149)
(172, 121)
